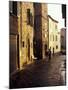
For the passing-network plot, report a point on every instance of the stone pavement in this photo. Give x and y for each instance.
(41, 73)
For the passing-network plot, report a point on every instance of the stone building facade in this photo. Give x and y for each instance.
(63, 38)
(54, 35)
(28, 33)
(13, 38)
(21, 23)
(40, 30)
(44, 30)
(25, 28)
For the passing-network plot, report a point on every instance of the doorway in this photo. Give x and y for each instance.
(28, 49)
(14, 53)
(46, 53)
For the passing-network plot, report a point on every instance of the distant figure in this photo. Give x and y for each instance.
(53, 51)
(49, 53)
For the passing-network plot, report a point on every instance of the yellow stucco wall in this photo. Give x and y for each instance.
(53, 32)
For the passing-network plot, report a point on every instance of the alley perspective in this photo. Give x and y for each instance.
(37, 44)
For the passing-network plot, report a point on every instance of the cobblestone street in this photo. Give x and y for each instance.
(41, 73)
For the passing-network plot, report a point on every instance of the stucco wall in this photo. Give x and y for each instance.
(53, 32)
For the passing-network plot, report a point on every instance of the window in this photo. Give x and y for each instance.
(56, 46)
(31, 19)
(53, 37)
(56, 37)
(28, 16)
(13, 7)
(23, 43)
(55, 26)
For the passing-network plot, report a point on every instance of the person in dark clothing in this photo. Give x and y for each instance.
(53, 51)
(49, 53)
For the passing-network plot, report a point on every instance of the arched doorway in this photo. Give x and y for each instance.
(28, 48)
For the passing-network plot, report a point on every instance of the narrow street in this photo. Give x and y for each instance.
(41, 73)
